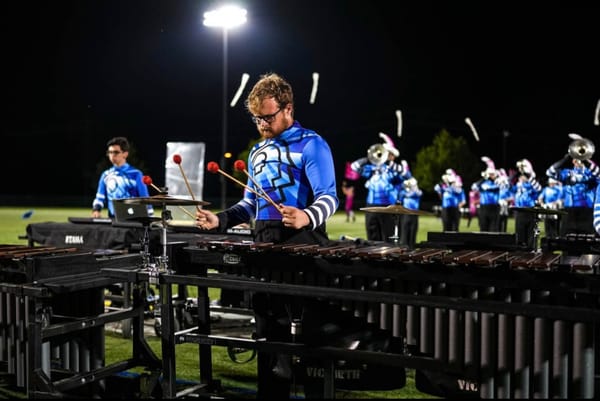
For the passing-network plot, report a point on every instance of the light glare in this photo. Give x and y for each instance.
(225, 17)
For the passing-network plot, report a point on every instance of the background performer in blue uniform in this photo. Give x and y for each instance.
(579, 191)
(453, 198)
(551, 198)
(410, 198)
(384, 178)
(489, 197)
(121, 181)
(525, 192)
(295, 167)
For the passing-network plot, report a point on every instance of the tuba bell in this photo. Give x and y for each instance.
(377, 154)
(581, 149)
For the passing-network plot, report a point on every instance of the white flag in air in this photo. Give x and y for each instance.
(399, 117)
(470, 124)
(245, 78)
(313, 93)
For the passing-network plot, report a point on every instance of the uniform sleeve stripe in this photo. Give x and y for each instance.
(321, 210)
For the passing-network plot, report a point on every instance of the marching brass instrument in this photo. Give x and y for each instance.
(581, 149)
(409, 183)
(448, 179)
(524, 166)
(377, 154)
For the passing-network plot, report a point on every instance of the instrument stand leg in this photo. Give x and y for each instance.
(147, 265)
(536, 233)
(163, 266)
(167, 335)
(146, 246)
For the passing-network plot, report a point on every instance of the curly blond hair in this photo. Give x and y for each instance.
(269, 85)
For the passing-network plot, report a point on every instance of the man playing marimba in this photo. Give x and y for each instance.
(291, 195)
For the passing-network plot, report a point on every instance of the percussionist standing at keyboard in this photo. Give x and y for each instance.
(120, 181)
(295, 167)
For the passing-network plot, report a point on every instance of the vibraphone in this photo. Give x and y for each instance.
(52, 322)
(474, 323)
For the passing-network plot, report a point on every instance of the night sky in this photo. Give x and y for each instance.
(79, 72)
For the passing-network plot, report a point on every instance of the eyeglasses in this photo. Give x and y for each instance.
(269, 118)
(113, 152)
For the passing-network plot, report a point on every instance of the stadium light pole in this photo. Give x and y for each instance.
(225, 17)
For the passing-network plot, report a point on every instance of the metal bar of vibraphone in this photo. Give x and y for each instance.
(46, 356)
(412, 321)
(10, 321)
(456, 330)
(26, 354)
(440, 350)
(471, 358)
(65, 355)
(85, 363)
(373, 308)
(440, 328)
(505, 346)
(21, 345)
(560, 354)
(35, 359)
(487, 349)
(17, 349)
(426, 329)
(541, 351)
(522, 350)
(399, 318)
(360, 307)
(541, 359)
(385, 309)
(74, 355)
(345, 282)
(583, 360)
(56, 354)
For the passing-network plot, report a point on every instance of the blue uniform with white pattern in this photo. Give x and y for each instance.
(452, 195)
(411, 199)
(296, 169)
(526, 193)
(120, 182)
(579, 193)
(383, 182)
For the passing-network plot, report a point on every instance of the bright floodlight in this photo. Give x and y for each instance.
(225, 17)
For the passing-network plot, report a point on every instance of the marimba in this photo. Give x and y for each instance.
(473, 322)
(52, 322)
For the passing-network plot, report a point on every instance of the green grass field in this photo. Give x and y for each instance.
(13, 228)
